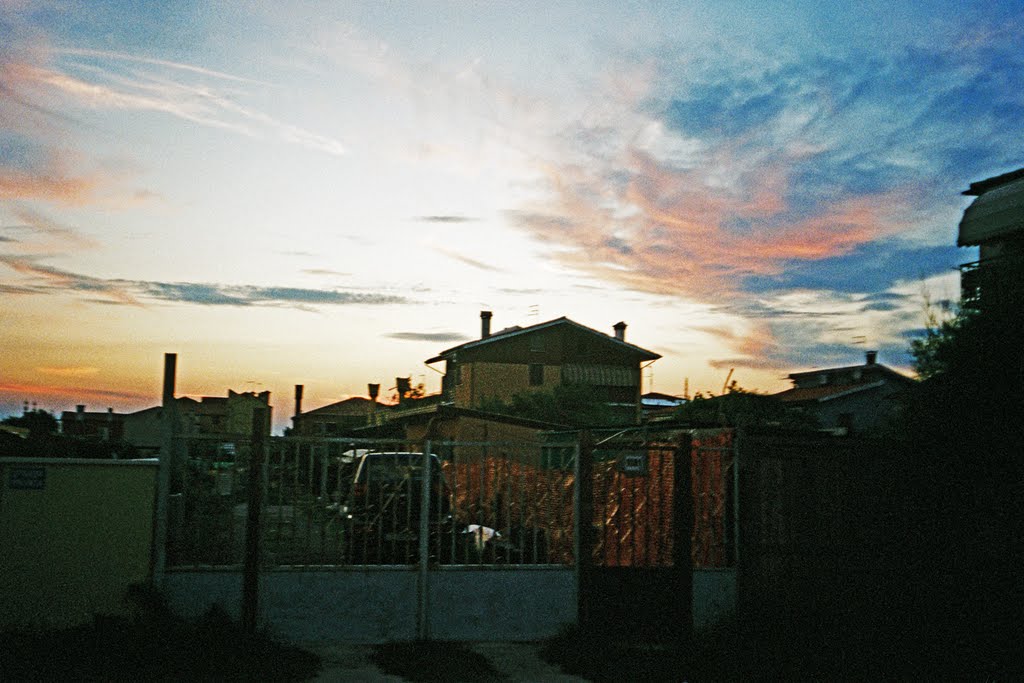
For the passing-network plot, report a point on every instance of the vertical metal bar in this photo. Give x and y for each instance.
(321, 502)
(682, 530)
(163, 484)
(577, 544)
(736, 504)
(422, 586)
(251, 575)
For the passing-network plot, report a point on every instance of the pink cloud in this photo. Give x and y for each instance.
(686, 232)
(54, 187)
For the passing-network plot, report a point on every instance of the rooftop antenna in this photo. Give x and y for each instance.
(728, 377)
(534, 311)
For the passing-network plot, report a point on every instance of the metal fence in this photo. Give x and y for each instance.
(334, 501)
(635, 488)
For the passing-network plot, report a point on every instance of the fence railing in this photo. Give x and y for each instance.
(335, 501)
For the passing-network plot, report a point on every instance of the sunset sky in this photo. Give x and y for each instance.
(328, 193)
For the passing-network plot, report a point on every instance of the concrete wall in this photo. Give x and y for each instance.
(501, 604)
(380, 604)
(74, 534)
(714, 597)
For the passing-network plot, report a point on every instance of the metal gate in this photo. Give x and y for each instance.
(420, 539)
(662, 551)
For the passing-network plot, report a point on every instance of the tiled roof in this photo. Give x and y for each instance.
(826, 392)
(516, 331)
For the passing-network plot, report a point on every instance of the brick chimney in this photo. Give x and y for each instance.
(298, 399)
(620, 331)
(485, 324)
(871, 357)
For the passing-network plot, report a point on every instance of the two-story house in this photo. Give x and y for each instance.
(540, 357)
(857, 398)
(994, 222)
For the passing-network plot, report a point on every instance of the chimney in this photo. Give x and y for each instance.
(80, 412)
(485, 324)
(371, 416)
(298, 399)
(402, 386)
(871, 357)
(620, 331)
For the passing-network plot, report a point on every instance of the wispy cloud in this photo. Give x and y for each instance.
(742, 175)
(439, 337)
(47, 279)
(68, 393)
(250, 295)
(324, 271)
(96, 81)
(466, 259)
(69, 370)
(54, 186)
(446, 219)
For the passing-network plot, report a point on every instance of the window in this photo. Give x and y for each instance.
(536, 374)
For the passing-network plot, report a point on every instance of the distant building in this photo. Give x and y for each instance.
(100, 426)
(229, 416)
(858, 398)
(541, 357)
(654, 404)
(994, 222)
(340, 417)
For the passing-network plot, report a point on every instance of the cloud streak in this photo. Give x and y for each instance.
(100, 84)
(437, 337)
(49, 280)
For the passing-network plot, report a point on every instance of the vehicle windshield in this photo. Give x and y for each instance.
(394, 467)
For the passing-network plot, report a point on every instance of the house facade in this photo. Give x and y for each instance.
(859, 399)
(229, 415)
(540, 357)
(994, 222)
(339, 417)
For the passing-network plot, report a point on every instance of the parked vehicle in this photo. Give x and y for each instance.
(383, 508)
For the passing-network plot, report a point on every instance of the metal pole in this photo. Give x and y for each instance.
(682, 526)
(585, 527)
(163, 479)
(251, 575)
(422, 586)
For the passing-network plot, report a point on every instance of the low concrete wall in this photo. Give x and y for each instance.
(501, 604)
(714, 597)
(380, 604)
(74, 534)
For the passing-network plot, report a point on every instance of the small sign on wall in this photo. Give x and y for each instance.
(633, 464)
(27, 478)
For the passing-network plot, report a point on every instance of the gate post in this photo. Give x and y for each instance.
(168, 450)
(251, 575)
(682, 541)
(585, 528)
(422, 584)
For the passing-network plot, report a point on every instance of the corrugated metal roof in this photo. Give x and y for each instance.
(997, 212)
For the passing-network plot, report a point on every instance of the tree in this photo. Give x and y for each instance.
(965, 441)
(741, 408)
